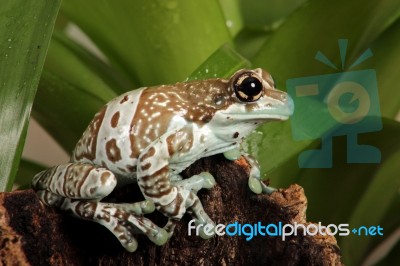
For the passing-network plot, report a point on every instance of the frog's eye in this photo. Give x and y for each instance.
(248, 87)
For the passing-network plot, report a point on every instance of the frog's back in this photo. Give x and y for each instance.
(124, 127)
(107, 140)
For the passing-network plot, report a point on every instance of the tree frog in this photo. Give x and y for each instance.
(149, 136)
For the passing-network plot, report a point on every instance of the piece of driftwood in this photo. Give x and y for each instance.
(32, 234)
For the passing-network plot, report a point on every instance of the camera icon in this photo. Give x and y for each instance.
(340, 104)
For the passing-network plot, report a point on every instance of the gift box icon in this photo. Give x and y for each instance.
(339, 104)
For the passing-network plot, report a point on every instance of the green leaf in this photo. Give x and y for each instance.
(358, 194)
(27, 169)
(260, 19)
(392, 256)
(371, 208)
(233, 15)
(64, 109)
(335, 193)
(287, 57)
(223, 63)
(73, 87)
(386, 58)
(249, 41)
(70, 61)
(25, 33)
(150, 41)
(261, 14)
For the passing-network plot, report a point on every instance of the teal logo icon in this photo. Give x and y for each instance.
(340, 104)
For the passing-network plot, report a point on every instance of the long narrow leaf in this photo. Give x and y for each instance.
(25, 32)
(27, 169)
(224, 62)
(73, 87)
(151, 41)
(385, 61)
(377, 199)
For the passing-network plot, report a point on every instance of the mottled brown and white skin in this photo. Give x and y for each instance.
(149, 136)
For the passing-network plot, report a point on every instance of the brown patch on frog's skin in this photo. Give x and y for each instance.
(87, 145)
(206, 98)
(86, 209)
(124, 99)
(104, 177)
(112, 151)
(196, 102)
(159, 177)
(148, 154)
(178, 202)
(131, 168)
(250, 107)
(181, 141)
(114, 119)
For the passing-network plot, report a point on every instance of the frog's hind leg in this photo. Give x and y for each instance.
(78, 188)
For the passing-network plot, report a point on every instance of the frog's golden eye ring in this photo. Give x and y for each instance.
(248, 87)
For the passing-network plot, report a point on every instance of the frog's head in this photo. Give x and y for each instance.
(256, 97)
(252, 100)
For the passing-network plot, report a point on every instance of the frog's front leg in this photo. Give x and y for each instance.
(173, 199)
(255, 183)
(79, 187)
(194, 183)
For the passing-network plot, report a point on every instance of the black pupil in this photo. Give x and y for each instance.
(251, 87)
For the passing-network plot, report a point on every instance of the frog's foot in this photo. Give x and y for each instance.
(123, 220)
(78, 188)
(254, 182)
(196, 182)
(201, 219)
(193, 185)
(188, 201)
(258, 187)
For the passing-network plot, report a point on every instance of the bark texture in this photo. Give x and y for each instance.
(32, 234)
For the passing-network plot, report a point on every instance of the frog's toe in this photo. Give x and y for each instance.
(207, 230)
(160, 237)
(266, 189)
(208, 180)
(148, 206)
(130, 245)
(170, 226)
(233, 154)
(258, 187)
(255, 185)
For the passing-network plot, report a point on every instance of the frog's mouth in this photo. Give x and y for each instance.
(266, 108)
(275, 109)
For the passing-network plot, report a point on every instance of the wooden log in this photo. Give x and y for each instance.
(33, 234)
